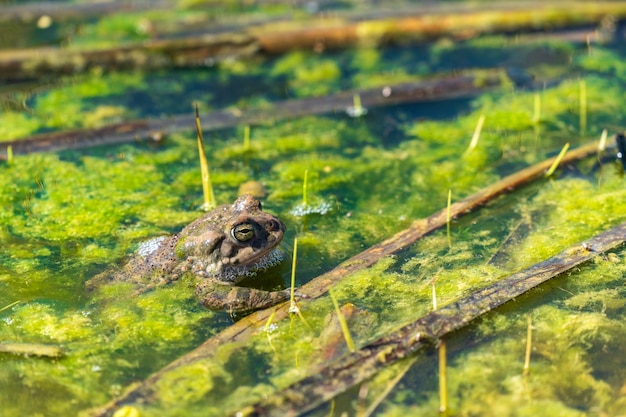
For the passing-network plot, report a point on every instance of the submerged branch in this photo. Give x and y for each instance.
(240, 331)
(428, 23)
(316, 33)
(328, 381)
(204, 50)
(443, 88)
(62, 11)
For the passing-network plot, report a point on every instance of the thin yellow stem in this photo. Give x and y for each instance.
(331, 412)
(443, 374)
(292, 298)
(449, 218)
(443, 379)
(537, 109)
(583, 106)
(476, 136)
(293, 307)
(603, 138)
(557, 161)
(266, 329)
(357, 109)
(207, 187)
(390, 386)
(356, 102)
(305, 186)
(14, 303)
(529, 337)
(342, 323)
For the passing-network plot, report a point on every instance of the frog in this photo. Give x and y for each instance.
(220, 249)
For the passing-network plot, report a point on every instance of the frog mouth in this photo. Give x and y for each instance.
(234, 272)
(250, 256)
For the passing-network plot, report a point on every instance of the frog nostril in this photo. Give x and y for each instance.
(274, 226)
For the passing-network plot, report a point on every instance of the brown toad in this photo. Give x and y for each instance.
(220, 248)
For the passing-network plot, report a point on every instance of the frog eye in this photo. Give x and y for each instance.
(242, 232)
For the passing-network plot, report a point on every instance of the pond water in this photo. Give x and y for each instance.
(71, 214)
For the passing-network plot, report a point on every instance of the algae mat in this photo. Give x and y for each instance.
(69, 215)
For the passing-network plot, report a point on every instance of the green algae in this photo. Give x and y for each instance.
(66, 210)
(393, 297)
(487, 380)
(15, 125)
(604, 62)
(71, 215)
(104, 346)
(308, 75)
(73, 103)
(111, 30)
(370, 70)
(510, 117)
(569, 370)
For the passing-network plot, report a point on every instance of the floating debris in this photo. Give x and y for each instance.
(31, 349)
(304, 209)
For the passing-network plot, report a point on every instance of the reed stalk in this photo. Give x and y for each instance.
(342, 323)
(529, 337)
(6, 307)
(266, 329)
(293, 308)
(443, 374)
(305, 186)
(207, 187)
(357, 109)
(448, 219)
(603, 138)
(476, 135)
(537, 109)
(557, 161)
(583, 106)
(443, 379)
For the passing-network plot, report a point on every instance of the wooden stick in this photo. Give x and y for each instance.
(343, 30)
(26, 64)
(63, 11)
(427, 23)
(332, 379)
(442, 88)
